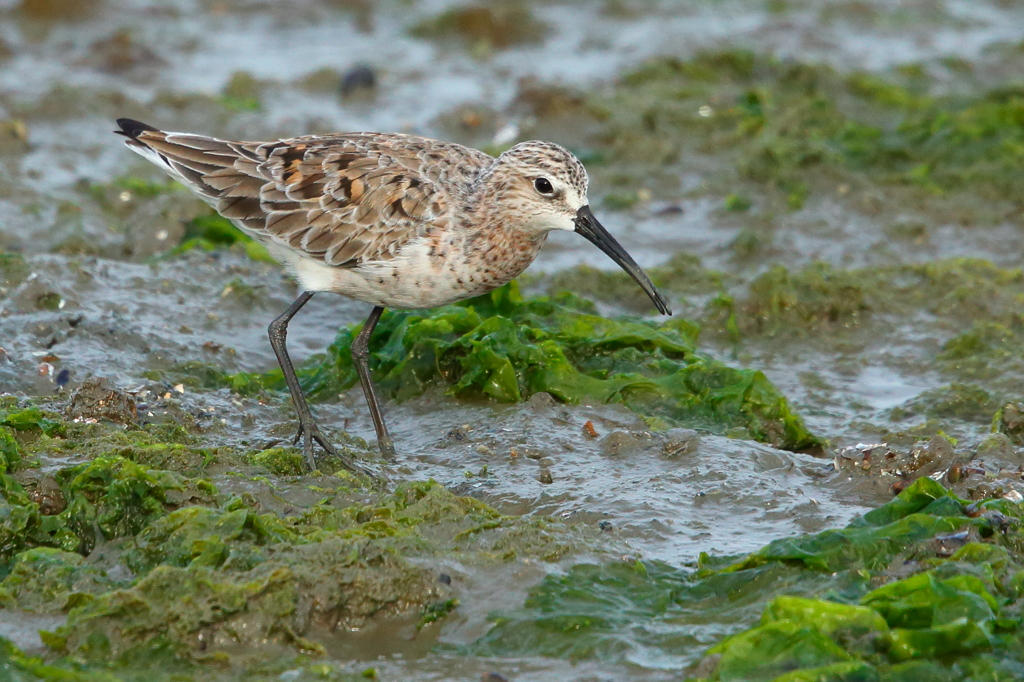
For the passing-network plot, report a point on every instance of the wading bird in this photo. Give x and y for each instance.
(393, 220)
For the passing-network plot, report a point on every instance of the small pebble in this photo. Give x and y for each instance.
(459, 434)
(900, 486)
(99, 400)
(669, 209)
(445, 578)
(493, 677)
(545, 477)
(619, 443)
(589, 431)
(541, 401)
(681, 442)
(358, 80)
(605, 526)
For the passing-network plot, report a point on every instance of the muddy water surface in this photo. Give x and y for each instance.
(101, 294)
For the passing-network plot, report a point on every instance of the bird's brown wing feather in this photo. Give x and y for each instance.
(345, 199)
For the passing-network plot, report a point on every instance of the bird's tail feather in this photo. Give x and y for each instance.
(207, 166)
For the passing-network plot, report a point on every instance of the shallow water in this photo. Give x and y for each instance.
(121, 313)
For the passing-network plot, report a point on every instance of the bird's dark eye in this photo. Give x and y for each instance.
(543, 186)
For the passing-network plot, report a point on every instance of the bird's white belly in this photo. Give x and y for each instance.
(413, 279)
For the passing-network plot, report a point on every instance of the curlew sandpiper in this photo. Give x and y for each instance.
(393, 220)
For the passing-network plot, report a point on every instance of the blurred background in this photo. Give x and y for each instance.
(831, 189)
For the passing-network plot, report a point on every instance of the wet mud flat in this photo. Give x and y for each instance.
(811, 472)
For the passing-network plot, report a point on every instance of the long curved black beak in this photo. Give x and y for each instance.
(587, 225)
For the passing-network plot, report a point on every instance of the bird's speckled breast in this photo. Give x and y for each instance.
(463, 265)
(436, 270)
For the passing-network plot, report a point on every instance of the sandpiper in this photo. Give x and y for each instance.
(397, 221)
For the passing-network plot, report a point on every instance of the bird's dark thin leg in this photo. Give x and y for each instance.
(360, 356)
(308, 430)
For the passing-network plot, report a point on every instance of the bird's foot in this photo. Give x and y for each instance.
(310, 433)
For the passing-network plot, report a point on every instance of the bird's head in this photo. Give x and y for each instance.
(545, 187)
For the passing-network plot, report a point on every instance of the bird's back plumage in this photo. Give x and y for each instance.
(343, 200)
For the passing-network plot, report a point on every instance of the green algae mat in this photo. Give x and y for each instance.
(506, 347)
(179, 573)
(788, 125)
(926, 587)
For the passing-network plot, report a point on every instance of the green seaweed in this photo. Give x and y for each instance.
(110, 195)
(280, 461)
(431, 613)
(822, 299)
(737, 203)
(157, 664)
(201, 536)
(505, 347)
(987, 355)
(28, 419)
(46, 579)
(816, 297)
(146, 188)
(254, 577)
(107, 497)
(112, 497)
(242, 92)
(210, 232)
(793, 125)
(956, 401)
(13, 270)
(484, 27)
(834, 605)
(771, 650)
(196, 567)
(9, 455)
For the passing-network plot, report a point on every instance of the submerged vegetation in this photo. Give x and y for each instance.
(800, 128)
(924, 587)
